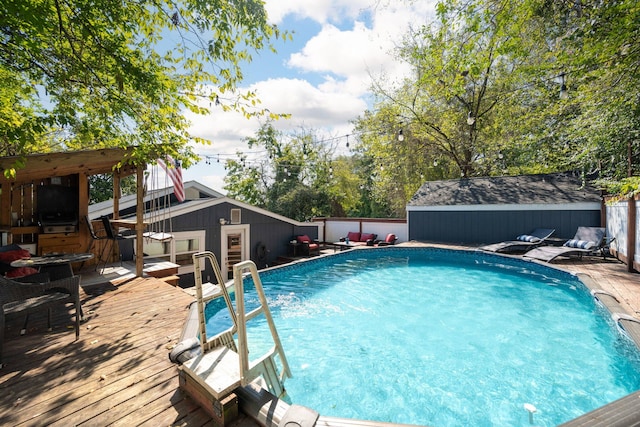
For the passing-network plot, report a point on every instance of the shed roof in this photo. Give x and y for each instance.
(558, 188)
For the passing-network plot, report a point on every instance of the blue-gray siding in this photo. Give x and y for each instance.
(266, 230)
(483, 227)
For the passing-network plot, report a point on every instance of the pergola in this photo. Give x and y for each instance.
(18, 194)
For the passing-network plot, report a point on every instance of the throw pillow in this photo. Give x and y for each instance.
(528, 238)
(580, 244)
(21, 272)
(10, 256)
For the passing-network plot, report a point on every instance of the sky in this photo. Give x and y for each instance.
(321, 78)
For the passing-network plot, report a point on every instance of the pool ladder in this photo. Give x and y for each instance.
(224, 366)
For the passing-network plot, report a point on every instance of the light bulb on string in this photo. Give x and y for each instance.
(470, 119)
(564, 94)
(400, 135)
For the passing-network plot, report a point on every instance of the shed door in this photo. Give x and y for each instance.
(235, 247)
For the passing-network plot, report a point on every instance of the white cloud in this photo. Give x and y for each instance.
(318, 10)
(361, 53)
(343, 60)
(310, 107)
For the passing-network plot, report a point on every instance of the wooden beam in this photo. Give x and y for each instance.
(139, 220)
(631, 233)
(5, 205)
(93, 162)
(116, 195)
(83, 210)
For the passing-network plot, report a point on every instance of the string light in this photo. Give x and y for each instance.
(564, 94)
(470, 119)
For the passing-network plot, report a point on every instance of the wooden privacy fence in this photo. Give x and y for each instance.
(623, 226)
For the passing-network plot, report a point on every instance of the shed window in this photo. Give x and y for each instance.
(235, 216)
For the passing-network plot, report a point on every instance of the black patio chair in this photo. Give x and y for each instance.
(17, 299)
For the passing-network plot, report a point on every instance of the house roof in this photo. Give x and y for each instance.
(208, 197)
(193, 191)
(543, 189)
(194, 205)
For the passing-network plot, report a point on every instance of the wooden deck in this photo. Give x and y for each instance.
(119, 373)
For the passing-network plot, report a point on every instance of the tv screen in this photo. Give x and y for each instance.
(57, 204)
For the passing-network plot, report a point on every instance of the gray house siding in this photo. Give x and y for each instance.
(489, 226)
(484, 210)
(271, 232)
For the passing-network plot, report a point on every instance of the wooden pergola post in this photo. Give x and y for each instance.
(631, 233)
(139, 220)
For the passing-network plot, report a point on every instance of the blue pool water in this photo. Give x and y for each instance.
(442, 338)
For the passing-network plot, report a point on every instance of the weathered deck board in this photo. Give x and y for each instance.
(118, 372)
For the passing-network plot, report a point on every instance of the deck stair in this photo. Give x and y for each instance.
(223, 365)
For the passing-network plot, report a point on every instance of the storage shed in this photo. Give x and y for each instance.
(490, 209)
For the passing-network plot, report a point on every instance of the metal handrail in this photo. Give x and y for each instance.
(249, 372)
(224, 337)
(264, 366)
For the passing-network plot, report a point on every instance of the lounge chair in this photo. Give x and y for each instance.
(523, 243)
(587, 241)
(309, 247)
(388, 241)
(355, 238)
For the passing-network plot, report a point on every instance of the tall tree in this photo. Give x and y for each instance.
(598, 45)
(291, 180)
(98, 73)
(443, 120)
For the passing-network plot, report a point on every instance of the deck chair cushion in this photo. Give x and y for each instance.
(528, 238)
(353, 236)
(580, 244)
(367, 236)
(303, 239)
(17, 272)
(14, 255)
(7, 257)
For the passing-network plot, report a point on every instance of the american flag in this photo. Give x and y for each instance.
(175, 173)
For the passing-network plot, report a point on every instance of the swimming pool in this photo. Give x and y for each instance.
(437, 337)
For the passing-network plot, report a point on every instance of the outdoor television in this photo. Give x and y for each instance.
(57, 204)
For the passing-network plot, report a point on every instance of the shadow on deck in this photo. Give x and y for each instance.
(117, 373)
